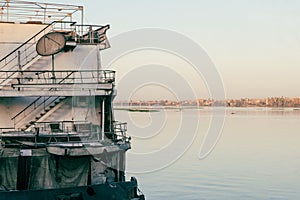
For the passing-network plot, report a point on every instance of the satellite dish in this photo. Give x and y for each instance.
(50, 44)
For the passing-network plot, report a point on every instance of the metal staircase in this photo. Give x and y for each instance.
(23, 73)
(35, 110)
(24, 56)
(65, 80)
(21, 57)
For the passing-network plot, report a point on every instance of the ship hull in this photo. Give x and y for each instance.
(59, 139)
(108, 191)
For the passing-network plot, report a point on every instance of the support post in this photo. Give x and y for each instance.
(102, 118)
(20, 69)
(53, 73)
(98, 65)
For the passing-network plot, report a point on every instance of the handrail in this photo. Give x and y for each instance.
(69, 73)
(38, 12)
(119, 131)
(95, 37)
(27, 41)
(41, 77)
(118, 134)
(26, 108)
(17, 60)
(86, 128)
(43, 103)
(34, 102)
(106, 76)
(73, 71)
(63, 123)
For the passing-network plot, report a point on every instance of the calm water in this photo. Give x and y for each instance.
(257, 156)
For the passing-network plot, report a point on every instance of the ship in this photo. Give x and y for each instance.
(59, 139)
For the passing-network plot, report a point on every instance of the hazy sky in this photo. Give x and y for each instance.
(255, 44)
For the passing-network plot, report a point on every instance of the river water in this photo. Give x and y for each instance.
(256, 157)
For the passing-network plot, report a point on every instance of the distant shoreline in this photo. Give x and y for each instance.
(276, 102)
(160, 108)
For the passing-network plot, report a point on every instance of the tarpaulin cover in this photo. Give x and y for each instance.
(9, 167)
(58, 172)
(72, 171)
(46, 171)
(8, 172)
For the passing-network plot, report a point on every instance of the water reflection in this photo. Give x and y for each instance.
(257, 157)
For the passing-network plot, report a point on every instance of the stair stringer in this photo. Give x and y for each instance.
(48, 113)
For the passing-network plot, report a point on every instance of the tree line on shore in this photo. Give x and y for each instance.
(243, 102)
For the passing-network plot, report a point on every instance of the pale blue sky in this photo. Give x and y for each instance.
(255, 44)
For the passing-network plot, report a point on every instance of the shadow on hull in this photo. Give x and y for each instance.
(109, 191)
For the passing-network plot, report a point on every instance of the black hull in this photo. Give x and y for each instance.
(111, 191)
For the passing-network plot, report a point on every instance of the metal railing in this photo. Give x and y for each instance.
(120, 130)
(51, 79)
(26, 52)
(37, 12)
(16, 62)
(84, 128)
(66, 127)
(6, 129)
(43, 79)
(92, 34)
(23, 55)
(40, 102)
